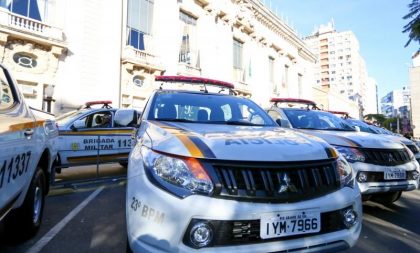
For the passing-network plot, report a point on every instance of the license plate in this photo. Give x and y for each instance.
(289, 223)
(394, 174)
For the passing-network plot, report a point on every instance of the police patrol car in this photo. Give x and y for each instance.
(27, 153)
(384, 167)
(90, 135)
(364, 127)
(213, 172)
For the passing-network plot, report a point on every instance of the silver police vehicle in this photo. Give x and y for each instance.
(91, 135)
(384, 168)
(27, 152)
(212, 172)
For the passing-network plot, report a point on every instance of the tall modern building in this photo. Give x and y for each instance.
(340, 69)
(396, 102)
(112, 50)
(415, 93)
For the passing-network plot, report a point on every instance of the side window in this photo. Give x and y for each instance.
(6, 94)
(274, 115)
(98, 120)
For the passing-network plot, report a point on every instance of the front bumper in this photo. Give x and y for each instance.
(382, 186)
(157, 220)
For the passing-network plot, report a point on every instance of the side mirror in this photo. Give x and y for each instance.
(357, 128)
(126, 118)
(283, 123)
(79, 124)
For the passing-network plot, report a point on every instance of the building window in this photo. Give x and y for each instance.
(271, 73)
(237, 60)
(35, 9)
(188, 52)
(139, 24)
(286, 76)
(300, 85)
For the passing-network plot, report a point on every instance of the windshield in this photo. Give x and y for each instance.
(207, 108)
(362, 125)
(312, 119)
(67, 117)
(380, 130)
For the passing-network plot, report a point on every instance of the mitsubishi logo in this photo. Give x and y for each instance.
(391, 158)
(286, 184)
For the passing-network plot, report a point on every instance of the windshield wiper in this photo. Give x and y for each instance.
(339, 129)
(235, 122)
(176, 120)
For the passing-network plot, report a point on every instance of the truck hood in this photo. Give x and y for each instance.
(228, 142)
(355, 139)
(399, 139)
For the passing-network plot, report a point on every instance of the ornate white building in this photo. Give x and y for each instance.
(112, 50)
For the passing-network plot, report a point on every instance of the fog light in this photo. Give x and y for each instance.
(362, 177)
(201, 234)
(349, 218)
(416, 175)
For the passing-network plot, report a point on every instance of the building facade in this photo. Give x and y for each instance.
(396, 102)
(112, 50)
(340, 69)
(415, 94)
(371, 104)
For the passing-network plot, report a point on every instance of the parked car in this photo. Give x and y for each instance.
(384, 168)
(90, 135)
(27, 153)
(364, 127)
(212, 172)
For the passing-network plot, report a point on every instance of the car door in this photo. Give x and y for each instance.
(17, 145)
(95, 138)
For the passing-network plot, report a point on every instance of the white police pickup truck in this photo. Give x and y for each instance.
(91, 135)
(212, 172)
(384, 167)
(27, 153)
(364, 127)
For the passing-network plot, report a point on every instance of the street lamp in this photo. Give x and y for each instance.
(49, 92)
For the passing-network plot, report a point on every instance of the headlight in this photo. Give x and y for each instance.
(410, 153)
(346, 173)
(181, 176)
(351, 154)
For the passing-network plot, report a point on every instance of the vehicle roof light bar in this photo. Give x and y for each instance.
(195, 80)
(104, 103)
(345, 114)
(309, 103)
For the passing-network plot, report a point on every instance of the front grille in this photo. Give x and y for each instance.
(248, 231)
(378, 177)
(388, 157)
(413, 148)
(279, 183)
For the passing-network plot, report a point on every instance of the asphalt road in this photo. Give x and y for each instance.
(99, 224)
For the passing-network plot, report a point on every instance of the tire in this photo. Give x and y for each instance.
(386, 199)
(24, 222)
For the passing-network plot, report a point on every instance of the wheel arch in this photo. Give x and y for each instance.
(44, 163)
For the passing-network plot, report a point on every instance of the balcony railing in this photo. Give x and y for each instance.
(30, 25)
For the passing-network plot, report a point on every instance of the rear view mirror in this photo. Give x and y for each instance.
(126, 118)
(283, 123)
(80, 123)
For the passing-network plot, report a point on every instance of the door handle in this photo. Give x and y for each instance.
(29, 132)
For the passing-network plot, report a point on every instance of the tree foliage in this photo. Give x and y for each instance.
(378, 118)
(413, 27)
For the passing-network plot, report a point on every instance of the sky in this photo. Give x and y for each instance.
(377, 24)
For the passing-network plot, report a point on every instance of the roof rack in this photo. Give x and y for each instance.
(309, 103)
(104, 103)
(196, 80)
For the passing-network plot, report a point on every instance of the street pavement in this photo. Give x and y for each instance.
(91, 218)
